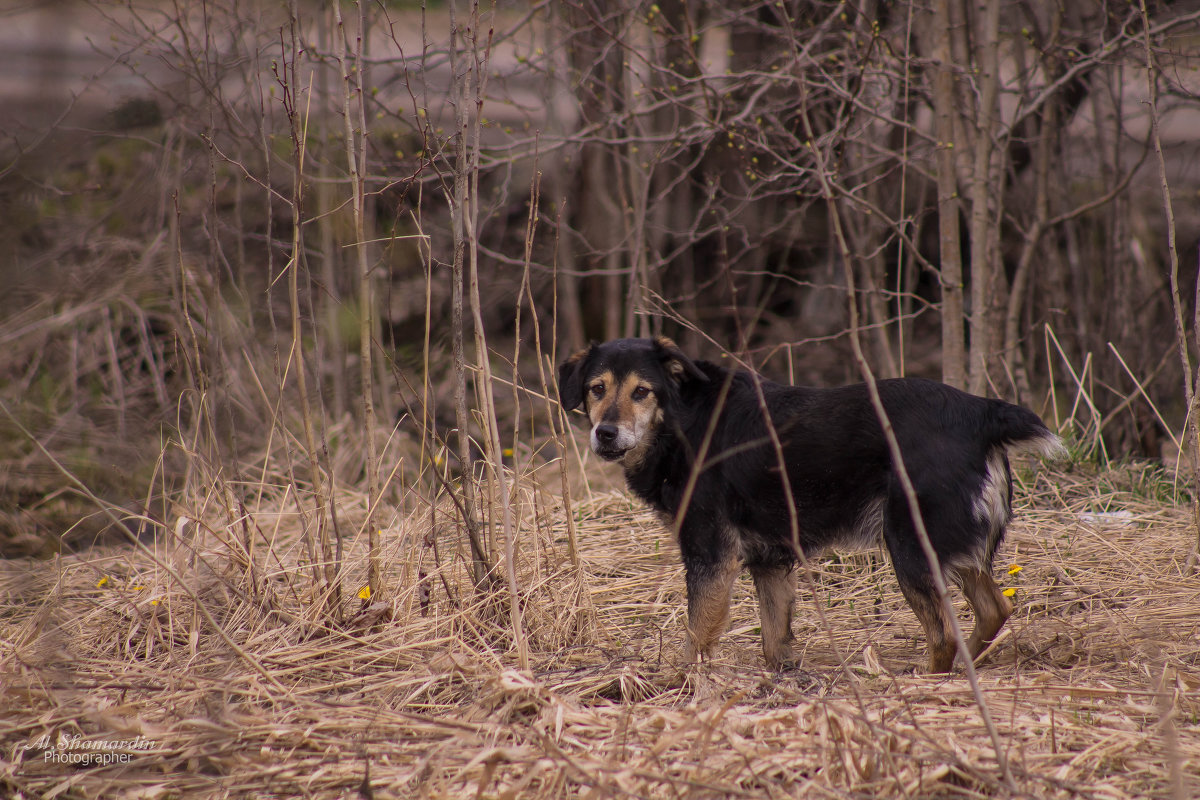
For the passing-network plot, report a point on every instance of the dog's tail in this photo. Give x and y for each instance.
(1020, 429)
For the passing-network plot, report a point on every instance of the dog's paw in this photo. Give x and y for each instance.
(781, 659)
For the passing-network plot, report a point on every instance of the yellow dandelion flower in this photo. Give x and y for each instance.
(1009, 592)
(138, 588)
(364, 593)
(154, 602)
(101, 582)
(508, 451)
(1014, 569)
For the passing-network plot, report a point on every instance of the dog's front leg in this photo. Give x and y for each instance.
(776, 585)
(709, 591)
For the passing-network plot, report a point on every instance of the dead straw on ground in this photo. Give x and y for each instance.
(417, 693)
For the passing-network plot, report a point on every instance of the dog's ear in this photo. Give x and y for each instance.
(678, 366)
(570, 379)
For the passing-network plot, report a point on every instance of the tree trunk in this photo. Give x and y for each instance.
(983, 269)
(954, 366)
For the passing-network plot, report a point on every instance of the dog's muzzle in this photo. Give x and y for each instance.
(605, 442)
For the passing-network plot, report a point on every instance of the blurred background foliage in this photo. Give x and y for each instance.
(156, 157)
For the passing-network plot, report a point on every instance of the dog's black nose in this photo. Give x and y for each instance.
(606, 434)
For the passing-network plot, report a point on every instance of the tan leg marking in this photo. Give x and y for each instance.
(992, 609)
(708, 609)
(776, 593)
(938, 634)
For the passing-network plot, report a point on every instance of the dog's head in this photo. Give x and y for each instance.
(625, 386)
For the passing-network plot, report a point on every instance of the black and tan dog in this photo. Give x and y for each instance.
(652, 409)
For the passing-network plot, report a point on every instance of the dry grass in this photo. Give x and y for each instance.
(1093, 685)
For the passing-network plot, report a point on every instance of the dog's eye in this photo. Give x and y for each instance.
(597, 390)
(640, 393)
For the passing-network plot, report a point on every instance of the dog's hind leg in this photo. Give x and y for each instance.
(992, 609)
(709, 590)
(916, 583)
(776, 586)
(923, 598)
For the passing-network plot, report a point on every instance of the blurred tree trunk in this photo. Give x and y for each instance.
(362, 205)
(568, 310)
(954, 362)
(597, 72)
(985, 277)
(330, 301)
(1042, 129)
(669, 201)
(464, 167)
